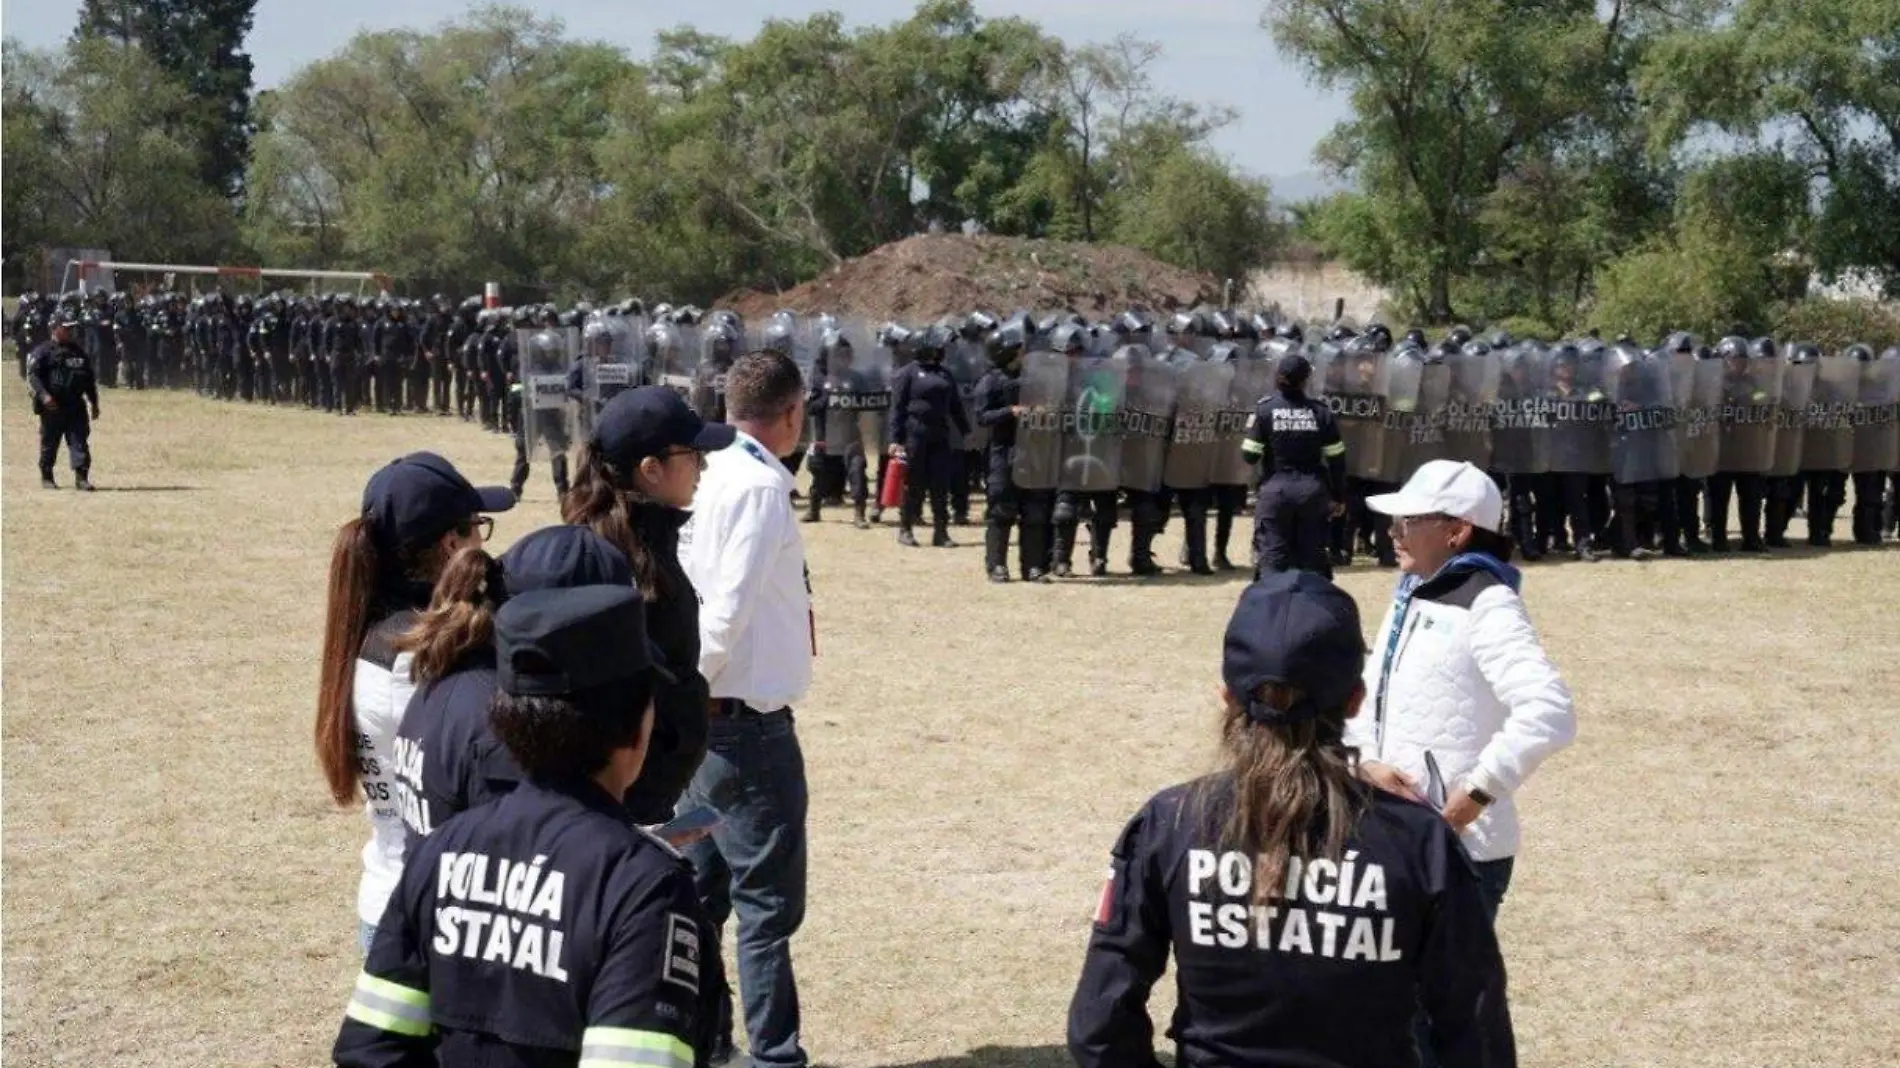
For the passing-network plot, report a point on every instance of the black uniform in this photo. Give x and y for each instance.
(448, 759)
(925, 404)
(62, 374)
(400, 356)
(997, 393)
(1303, 462)
(1330, 971)
(541, 930)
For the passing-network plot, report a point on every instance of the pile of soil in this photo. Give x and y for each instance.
(931, 275)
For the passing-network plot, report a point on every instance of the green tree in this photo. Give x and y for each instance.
(1196, 213)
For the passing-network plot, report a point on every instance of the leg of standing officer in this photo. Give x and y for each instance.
(1228, 501)
(957, 463)
(1194, 529)
(78, 433)
(939, 471)
(52, 432)
(1721, 487)
(1748, 492)
(1000, 513)
(1033, 535)
(1868, 490)
(1106, 514)
(854, 472)
(1064, 523)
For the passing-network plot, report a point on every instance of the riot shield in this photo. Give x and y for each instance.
(1037, 464)
(966, 361)
(1147, 416)
(1751, 390)
(1418, 394)
(610, 363)
(1250, 383)
(1520, 419)
(721, 342)
(1580, 413)
(1352, 381)
(547, 417)
(1791, 417)
(1643, 444)
(1697, 387)
(1473, 390)
(1877, 415)
(672, 356)
(1829, 444)
(856, 388)
(1092, 426)
(1201, 389)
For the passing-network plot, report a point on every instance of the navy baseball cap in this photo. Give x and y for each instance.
(1298, 629)
(418, 498)
(553, 643)
(1296, 368)
(650, 420)
(563, 557)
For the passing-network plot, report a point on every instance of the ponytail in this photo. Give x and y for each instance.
(602, 499)
(460, 617)
(1296, 792)
(354, 566)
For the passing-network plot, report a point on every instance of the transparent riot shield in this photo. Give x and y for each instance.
(1829, 445)
(1252, 380)
(721, 342)
(1092, 425)
(1201, 388)
(1044, 394)
(855, 387)
(1147, 417)
(1520, 419)
(1580, 412)
(1418, 395)
(1473, 390)
(610, 364)
(966, 361)
(1697, 385)
(1643, 442)
(672, 356)
(1877, 414)
(1352, 381)
(1751, 391)
(1791, 416)
(547, 414)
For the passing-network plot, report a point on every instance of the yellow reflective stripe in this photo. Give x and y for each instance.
(616, 1047)
(1337, 448)
(1250, 447)
(389, 1006)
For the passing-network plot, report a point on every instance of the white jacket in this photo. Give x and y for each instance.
(1469, 681)
(378, 700)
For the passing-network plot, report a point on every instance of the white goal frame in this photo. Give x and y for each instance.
(89, 274)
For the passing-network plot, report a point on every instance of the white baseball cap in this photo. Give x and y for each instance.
(1446, 487)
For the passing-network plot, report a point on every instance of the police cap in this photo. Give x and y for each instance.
(553, 643)
(418, 498)
(563, 556)
(1297, 629)
(650, 420)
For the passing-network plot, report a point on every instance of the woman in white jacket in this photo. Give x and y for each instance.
(1462, 705)
(417, 513)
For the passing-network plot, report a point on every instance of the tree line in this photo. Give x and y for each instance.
(1545, 164)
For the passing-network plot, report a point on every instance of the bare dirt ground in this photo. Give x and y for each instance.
(1710, 877)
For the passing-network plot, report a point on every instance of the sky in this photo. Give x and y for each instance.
(1214, 51)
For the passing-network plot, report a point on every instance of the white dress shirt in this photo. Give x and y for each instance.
(744, 554)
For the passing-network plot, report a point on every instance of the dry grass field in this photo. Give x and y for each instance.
(1710, 877)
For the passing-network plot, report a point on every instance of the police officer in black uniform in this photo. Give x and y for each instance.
(60, 374)
(998, 401)
(925, 403)
(1296, 442)
(545, 928)
(1308, 933)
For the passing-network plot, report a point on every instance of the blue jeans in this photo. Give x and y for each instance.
(1494, 878)
(754, 864)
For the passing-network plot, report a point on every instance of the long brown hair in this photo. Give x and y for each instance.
(460, 616)
(603, 499)
(1295, 790)
(358, 570)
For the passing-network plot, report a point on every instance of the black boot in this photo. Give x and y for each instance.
(906, 538)
(83, 482)
(857, 516)
(996, 551)
(1063, 556)
(940, 538)
(46, 479)
(1587, 550)
(813, 504)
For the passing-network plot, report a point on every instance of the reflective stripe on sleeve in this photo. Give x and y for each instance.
(1250, 447)
(389, 1006)
(613, 1047)
(1337, 448)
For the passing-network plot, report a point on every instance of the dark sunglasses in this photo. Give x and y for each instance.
(485, 524)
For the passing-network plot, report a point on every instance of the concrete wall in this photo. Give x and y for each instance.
(1307, 289)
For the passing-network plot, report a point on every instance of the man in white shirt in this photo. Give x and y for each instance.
(742, 550)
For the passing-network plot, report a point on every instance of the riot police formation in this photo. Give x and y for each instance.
(1066, 426)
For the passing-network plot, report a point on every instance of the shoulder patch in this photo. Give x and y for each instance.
(680, 961)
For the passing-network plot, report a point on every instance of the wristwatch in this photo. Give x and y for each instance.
(1483, 799)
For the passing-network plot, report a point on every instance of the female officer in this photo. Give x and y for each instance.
(417, 513)
(1302, 459)
(636, 477)
(544, 928)
(448, 758)
(1309, 914)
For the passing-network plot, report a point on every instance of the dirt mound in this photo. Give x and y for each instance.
(931, 275)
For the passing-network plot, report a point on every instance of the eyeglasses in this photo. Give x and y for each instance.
(482, 524)
(699, 457)
(1404, 523)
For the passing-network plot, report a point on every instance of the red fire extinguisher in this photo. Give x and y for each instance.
(892, 495)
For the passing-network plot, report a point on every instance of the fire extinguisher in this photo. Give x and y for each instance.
(892, 493)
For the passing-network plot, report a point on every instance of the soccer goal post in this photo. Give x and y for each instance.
(89, 275)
